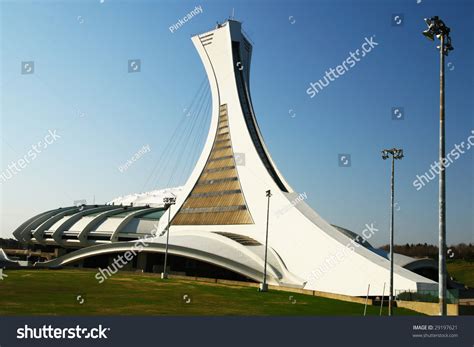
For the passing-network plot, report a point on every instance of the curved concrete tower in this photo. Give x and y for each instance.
(226, 191)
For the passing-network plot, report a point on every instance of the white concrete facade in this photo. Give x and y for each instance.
(300, 236)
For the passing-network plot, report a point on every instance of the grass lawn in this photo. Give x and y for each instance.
(55, 292)
(462, 271)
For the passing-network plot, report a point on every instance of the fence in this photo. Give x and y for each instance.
(452, 295)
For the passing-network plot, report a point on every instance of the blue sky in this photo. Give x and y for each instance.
(82, 89)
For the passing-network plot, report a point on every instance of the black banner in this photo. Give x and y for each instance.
(237, 331)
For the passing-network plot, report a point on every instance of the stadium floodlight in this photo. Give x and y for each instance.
(436, 27)
(168, 203)
(396, 154)
(430, 32)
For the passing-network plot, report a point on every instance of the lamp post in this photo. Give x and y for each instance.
(436, 27)
(264, 285)
(395, 153)
(168, 203)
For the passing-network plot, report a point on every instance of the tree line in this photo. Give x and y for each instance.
(460, 251)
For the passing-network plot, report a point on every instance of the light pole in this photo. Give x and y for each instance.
(264, 285)
(436, 27)
(395, 153)
(168, 203)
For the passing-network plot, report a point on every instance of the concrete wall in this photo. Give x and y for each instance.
(340, 297)
(429, 308)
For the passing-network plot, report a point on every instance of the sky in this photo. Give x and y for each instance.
(79, 88)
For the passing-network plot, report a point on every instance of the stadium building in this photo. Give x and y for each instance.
(218, 223)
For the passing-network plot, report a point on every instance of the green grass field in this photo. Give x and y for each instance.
(462, 271)
(47, 292)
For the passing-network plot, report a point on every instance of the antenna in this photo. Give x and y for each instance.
(232, 17)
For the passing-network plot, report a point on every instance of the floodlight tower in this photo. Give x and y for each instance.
(264, 285)
(395, 153)
(436, 27)
(168, 203)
